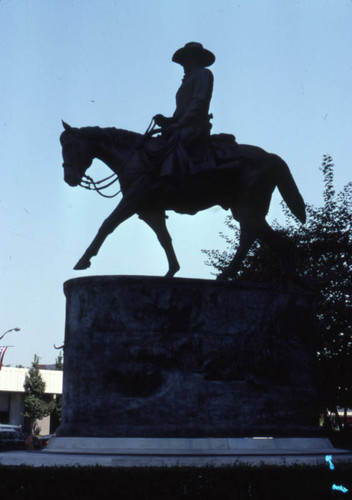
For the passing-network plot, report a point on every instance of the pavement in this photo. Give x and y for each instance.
(171, 452)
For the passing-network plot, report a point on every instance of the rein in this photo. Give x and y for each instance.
(88, 183)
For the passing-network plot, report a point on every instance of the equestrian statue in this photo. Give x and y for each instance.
(181, 166)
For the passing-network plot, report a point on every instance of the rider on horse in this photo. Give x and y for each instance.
(190, 124)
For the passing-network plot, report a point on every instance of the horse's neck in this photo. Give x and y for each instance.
(112, 146)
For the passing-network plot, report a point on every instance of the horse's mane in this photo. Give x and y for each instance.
(120, 138)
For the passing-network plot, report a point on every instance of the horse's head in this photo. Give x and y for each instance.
(77, 155)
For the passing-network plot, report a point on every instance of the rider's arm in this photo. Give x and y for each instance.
(163, 121)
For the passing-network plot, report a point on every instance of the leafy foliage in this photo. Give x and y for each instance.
(323, 254)
(59, 365)
(36, 404)
(55, 416)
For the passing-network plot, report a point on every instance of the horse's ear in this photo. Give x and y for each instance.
(66, 126)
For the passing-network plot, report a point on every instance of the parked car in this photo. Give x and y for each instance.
(341, 417)
(11, 427)
(11, 440)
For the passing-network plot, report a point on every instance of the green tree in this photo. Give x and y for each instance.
(323, 253)
(37, 404)
(59, 365)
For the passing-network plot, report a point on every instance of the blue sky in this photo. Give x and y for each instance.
(283, 80)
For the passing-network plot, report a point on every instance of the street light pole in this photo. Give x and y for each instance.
(11, 330)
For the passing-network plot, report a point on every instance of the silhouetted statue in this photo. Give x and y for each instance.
(184, 169)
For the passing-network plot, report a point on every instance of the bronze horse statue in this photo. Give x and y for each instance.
(245, 187)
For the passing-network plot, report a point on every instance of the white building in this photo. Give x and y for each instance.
(12, 394)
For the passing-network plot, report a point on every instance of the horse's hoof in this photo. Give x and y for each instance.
(171, 272)
(82, 264)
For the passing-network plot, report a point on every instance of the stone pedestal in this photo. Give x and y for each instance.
(156, 357)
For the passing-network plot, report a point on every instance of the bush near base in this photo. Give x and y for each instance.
(154, 483)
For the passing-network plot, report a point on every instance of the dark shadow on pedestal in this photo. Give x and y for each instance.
(156, 357)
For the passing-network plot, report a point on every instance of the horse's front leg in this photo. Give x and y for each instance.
(156, 220)
(122, 212)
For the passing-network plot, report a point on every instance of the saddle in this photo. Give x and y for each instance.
(225, 148)
(217, 152)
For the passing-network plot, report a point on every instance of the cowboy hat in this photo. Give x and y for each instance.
(195, 51)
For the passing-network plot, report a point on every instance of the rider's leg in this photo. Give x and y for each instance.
(156, 220)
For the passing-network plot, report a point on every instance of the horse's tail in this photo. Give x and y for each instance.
(289, 190)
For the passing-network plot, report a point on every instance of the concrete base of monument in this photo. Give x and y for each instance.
(212, 447)
(149, 357)
(179, 452)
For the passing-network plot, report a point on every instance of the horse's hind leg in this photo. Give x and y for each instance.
(253, 226)
(282, 246)
(156, 220)
(247, 238)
